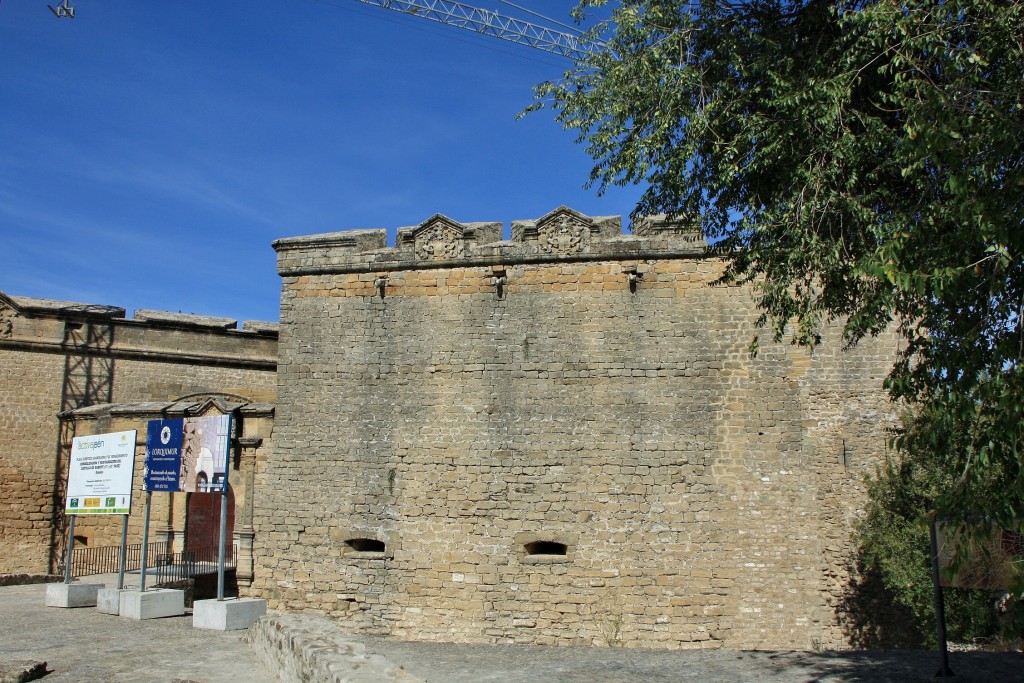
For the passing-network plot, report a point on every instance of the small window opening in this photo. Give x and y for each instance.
(81, 540)
(546, 548)
(365, 545)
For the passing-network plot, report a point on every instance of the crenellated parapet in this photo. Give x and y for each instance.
(441, 242)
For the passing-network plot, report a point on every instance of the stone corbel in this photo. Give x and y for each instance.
(499, 279)
(634, 276)
(380, 284)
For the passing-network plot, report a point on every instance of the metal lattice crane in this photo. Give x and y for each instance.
(470, 18)
(493, 24)
(63, 10)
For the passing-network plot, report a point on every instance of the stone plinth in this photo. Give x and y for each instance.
(152, 604)
(72, 594)
(232, 614)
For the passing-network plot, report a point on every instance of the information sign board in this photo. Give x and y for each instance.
(163, 455)
(189, 454)
(100, 474)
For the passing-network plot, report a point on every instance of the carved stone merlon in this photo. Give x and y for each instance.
(440, 238)
(352, 241)
(564, 231)
(330, 248)
(186, 318)
(686, 227)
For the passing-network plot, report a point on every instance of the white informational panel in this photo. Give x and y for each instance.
(100, 475)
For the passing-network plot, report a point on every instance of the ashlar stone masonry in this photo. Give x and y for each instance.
(558, 439)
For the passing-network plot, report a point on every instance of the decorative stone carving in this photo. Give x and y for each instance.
(685, 228)
(7, 315)
(564, 232)
(439, 239)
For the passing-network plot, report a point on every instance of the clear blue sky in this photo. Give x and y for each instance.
(150, 152)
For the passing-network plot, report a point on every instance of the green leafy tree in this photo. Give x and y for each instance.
(855, 161)
(894, 535)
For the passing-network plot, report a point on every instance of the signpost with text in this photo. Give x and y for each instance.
(99, 482)
(188, 455)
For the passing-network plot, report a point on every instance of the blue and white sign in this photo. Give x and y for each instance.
(163, 455)
(189, 454)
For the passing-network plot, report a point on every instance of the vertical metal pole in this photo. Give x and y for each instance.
(71, 547)
(145, 543)
(222, 541)
(940, 607)
(223, 533)
(124, 551)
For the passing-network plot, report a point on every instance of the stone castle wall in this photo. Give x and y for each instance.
(30, 387)
(559, 439)
(56, 357)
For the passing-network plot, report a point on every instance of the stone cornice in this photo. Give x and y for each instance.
(61, 327)
(161, 356)
(65, 309)
(176, 408)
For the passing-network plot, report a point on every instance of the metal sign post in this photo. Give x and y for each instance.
(71, 547)
(940, 607)
(223, 531)
(124, 551)
(222, 541)
(145, 543)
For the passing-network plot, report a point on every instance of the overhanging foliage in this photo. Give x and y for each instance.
(855, 161)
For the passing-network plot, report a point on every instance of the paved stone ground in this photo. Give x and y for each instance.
(85, 646)
(531, 664)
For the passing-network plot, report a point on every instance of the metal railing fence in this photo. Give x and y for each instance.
(162, 563)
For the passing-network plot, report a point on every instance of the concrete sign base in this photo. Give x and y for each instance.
(153, 604)
(232, 614)
(72, 594)
(108, 601)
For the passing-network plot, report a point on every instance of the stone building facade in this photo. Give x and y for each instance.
(68, 369)
(559, 439)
